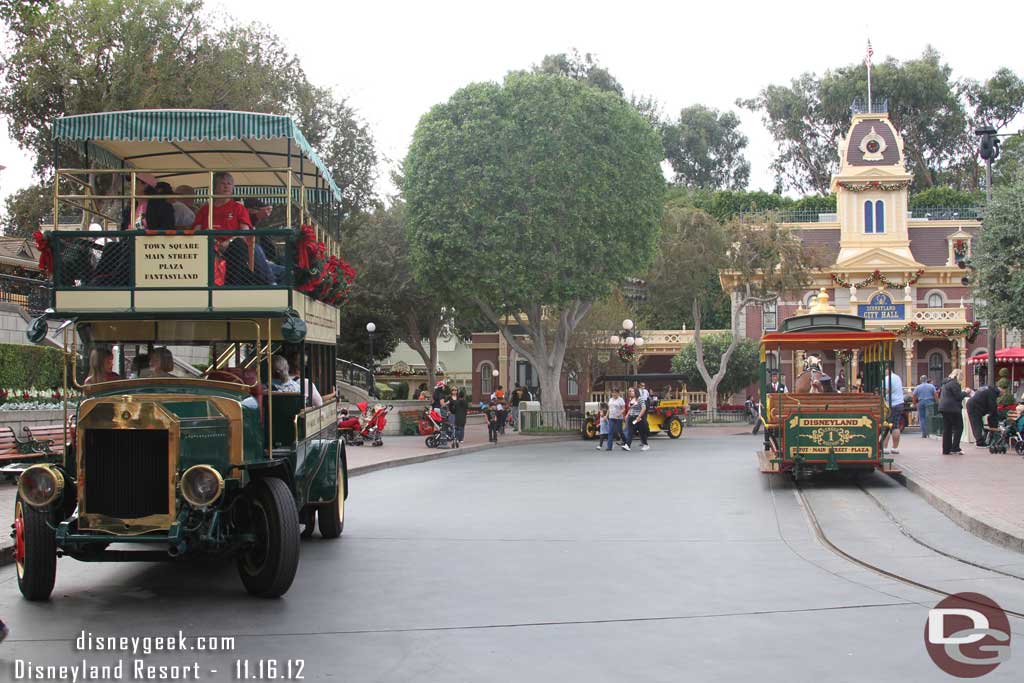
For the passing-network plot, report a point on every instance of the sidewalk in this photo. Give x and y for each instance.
(396, 451)
(982, 492)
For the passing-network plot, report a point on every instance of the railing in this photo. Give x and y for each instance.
(692, 397)
(946, 213)
(934, 315)
(538, 421)
(728, 415)
(877, 107)
(32, 295)
(789, 216)
(355, 374)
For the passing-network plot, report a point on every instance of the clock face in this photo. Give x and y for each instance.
(873, 146)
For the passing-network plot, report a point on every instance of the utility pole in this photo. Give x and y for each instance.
(989, 151)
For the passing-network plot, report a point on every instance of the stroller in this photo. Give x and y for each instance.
(437, 429)
(367, 427)
(1008, 434)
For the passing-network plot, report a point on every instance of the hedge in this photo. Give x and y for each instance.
(23, 366)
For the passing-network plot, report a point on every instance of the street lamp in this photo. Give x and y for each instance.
(630, 341)
(370, 329)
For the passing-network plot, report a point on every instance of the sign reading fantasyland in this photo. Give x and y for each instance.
(881, 307)
(171, 261)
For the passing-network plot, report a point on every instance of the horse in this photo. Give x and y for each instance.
(813, 379)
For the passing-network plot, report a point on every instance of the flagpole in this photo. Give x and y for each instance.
(869, 75)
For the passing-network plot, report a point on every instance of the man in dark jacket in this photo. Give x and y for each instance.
(984, 402)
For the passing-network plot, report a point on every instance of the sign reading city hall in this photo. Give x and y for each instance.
(171, 261)
(881, 307)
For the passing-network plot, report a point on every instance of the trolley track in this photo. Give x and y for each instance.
(824, 539)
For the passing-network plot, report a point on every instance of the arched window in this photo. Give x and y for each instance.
(935, 300)
(573, 384)
(485, 379)
(869, 216)
(771, 361)
(809, 300)
(936, 367)
(879, 216)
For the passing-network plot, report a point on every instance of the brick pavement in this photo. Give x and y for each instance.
(981, 492)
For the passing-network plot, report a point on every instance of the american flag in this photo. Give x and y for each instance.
(870, 52)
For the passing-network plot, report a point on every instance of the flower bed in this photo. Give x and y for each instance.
(33, 399)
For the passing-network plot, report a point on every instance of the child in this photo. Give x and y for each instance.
(602, 431)
(492, 423)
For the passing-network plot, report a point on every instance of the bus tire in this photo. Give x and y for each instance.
(268, 567)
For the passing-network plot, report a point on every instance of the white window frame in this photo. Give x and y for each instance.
(486, 380)
(773, 312)
(935, 292)
(572, 384)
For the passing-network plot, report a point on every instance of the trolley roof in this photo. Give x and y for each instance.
(187, 143)
(838, 340)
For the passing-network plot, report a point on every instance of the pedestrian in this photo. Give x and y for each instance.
(924, 397)
(459, 408)
(841, 381)
(985, 401)
(951, 402)
(616, 411)
(643, 393)
(636, 421)
(439, 393)
(502, 413)
(518, 395)
(492, 423)
(602, 425)
(893, 390)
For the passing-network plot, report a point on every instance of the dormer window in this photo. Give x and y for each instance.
(874, 216)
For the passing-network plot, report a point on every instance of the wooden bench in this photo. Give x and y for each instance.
(47, 438)
(13, 450)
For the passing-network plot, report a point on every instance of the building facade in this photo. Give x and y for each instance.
(895, 267)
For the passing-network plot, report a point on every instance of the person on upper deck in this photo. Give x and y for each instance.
(101, 367)
(230, 214)
(184, 207)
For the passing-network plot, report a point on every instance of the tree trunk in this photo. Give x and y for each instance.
(415, 341)
(712, 382)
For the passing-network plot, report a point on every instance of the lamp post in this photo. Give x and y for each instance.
(989, 151)
(630, 340)
(371, 328)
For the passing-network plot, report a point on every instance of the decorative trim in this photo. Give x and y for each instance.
(875, 185)
(877, 277)
(969, 332)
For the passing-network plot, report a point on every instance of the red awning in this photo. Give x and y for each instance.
(1013, 354)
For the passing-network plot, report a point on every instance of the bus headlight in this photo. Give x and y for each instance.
(201, 485)
(40, 485)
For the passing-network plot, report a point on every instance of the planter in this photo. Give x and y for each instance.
(17, 419)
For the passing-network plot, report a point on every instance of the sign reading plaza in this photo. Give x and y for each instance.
(171, 261)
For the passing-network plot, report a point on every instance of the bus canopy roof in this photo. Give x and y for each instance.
(190, 142)
(836, 340)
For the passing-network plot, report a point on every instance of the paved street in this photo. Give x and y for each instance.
(557, 562)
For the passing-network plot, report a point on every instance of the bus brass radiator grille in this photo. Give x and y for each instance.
(126, 473)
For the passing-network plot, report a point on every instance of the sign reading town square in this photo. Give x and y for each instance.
(881, 307)
(171, 261)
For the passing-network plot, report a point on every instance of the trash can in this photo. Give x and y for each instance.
(933, 418)
(529, 415)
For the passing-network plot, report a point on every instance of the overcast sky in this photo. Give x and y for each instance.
(393, 61)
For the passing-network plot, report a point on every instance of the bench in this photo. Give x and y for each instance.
(47, 438)
(16, 455)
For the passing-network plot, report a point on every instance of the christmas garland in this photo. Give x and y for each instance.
(960, 249)
(877, 277)
(969, 331)
(844, 356)
(627, 354)
(875, 185)
(325, 278)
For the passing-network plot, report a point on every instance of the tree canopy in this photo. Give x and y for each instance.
(66, 58)
(743, 364)
(535, 197)
(999, 254)
(705, 148)
(935, 113)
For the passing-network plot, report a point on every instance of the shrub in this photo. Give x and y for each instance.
(31, 366)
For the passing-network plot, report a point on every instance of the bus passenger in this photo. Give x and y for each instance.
(280, 375)
(161, 363)
(101, 367)
(185, 207)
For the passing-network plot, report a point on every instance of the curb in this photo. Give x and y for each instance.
(7, 544)
(965, 520)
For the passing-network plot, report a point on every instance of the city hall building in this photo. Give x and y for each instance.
(895, 267)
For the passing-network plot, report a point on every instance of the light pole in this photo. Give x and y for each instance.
(370, 329)
(989, 151)
(630, 341)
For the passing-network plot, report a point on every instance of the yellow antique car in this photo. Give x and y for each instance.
(667, 410)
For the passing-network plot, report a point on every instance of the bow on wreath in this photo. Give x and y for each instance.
(45, 251)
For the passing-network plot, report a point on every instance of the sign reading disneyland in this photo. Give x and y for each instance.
(881, 307)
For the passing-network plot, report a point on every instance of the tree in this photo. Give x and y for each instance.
(935, 114)
(1010, 162)
(415, 312)
(705, 149)
(534, 197)
(753, 262)
(109, 55)
(579, 67)
(25, 209)
(743, 364)
(999, 255)
(590, 339)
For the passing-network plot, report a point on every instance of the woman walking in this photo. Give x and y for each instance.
(951, 406)
(459, 407)
(636, 420)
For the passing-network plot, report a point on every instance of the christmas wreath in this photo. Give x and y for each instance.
(627, 354)
(877, 277)
(45, 251)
